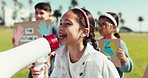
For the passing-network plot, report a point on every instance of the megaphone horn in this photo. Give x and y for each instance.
(13, 60)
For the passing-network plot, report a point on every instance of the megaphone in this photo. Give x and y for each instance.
(13, 60)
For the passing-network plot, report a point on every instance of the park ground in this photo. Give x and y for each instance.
(137, 44)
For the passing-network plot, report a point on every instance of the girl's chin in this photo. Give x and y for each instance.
(61, 42)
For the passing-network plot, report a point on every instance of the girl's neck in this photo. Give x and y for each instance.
(75, 52)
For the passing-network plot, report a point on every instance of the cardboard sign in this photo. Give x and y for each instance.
(28, 31)
(146, 73)
(109, 47)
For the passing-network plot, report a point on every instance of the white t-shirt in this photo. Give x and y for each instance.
(74, 66)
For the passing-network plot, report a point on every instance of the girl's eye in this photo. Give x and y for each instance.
(67, 24)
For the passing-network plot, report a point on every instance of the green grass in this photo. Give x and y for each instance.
(5, 44)
(136, 43)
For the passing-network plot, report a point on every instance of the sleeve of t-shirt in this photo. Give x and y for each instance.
(128, 66)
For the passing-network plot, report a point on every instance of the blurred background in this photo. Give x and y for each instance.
(133, 24)
(133, 15)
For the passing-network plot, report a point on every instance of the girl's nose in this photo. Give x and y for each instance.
(61, 28)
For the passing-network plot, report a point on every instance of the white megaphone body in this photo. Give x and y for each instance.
(13, 60)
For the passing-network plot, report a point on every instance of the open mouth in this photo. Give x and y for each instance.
(62, 36)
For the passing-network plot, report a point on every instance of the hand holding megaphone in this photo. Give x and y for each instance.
(19, 57)
(41, 67)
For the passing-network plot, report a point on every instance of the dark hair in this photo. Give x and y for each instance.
(43, 6)
(117, 20)
(82, 20)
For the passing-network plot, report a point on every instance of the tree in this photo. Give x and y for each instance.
(31, 14)
(17, 7)
(99, 13)
(96, 20)
(74, 3)
(140, 19)
(121, 19)
(57, 13)
(2, 17)
(30, 3)
(122, 22)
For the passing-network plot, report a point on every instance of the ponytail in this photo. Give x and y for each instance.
(91, 38)
(117, 35)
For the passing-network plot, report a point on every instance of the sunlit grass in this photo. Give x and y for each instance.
(136, 43)
(5, 38)
(5, 44)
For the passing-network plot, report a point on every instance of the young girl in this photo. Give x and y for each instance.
(108, 29)
(79, 57)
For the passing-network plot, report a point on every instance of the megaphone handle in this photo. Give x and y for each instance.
(39, 66)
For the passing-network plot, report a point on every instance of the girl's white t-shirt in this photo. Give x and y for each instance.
(74, 69)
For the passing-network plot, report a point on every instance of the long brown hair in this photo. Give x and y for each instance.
(82, 20)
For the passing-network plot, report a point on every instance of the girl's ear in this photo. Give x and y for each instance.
(114, 28)
(85, 32)
(83, 35)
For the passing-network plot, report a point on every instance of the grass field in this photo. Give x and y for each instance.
(136, 43)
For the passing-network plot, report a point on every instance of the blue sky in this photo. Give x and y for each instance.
(130, 9)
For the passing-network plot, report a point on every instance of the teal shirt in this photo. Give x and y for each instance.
(125, 67)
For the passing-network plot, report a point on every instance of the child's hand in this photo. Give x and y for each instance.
(46, 67)
(121, 55)
(17, 35)
(43, 28)
(36, 72)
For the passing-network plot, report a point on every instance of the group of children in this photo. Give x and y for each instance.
(79, 56)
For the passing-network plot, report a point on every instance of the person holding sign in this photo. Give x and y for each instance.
(79, 57)
(42, 12)
(108, 29)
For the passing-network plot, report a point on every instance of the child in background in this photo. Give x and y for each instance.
(108, 29)
(42, 12)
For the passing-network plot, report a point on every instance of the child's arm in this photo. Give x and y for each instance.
(126, 61)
